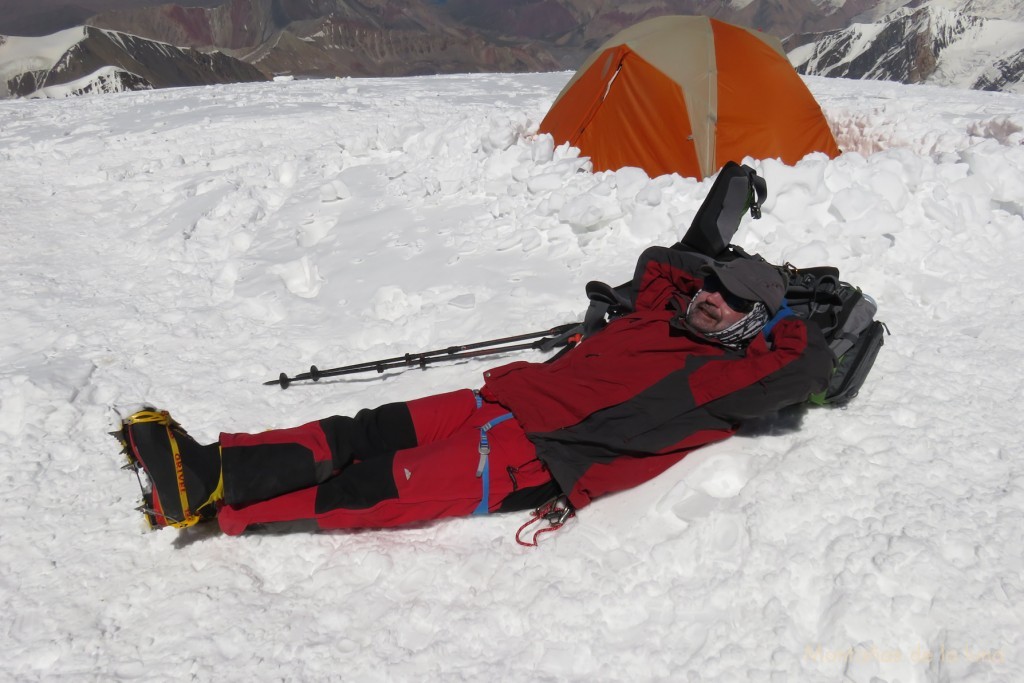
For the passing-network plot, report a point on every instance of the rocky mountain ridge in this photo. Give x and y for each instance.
(926, 41)
(98, 60)
(323, 38)
(926, 44)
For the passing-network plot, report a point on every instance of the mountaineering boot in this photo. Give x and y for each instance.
(185, 481)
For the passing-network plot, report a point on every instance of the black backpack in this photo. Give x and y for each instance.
(847, 317)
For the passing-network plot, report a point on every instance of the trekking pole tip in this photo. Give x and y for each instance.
(283, 380)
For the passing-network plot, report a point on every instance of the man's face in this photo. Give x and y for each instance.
(710, 312)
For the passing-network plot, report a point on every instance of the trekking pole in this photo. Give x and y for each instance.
(422, 359)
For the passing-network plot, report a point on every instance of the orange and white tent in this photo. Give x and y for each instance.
(685, 94)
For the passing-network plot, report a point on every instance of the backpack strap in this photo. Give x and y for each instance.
(736, 189)
(605, 302)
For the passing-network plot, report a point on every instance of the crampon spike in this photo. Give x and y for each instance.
(149, 514)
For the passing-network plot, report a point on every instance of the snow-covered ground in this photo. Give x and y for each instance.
(183, 246)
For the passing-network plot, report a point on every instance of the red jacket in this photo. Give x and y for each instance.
(632, 400)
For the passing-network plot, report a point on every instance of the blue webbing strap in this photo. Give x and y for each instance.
(483, 469)
(784, 312)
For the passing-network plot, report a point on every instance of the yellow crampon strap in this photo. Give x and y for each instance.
(161, 416)
(164, 418)
(179, 473)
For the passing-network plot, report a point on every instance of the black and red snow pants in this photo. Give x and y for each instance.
(447, 455)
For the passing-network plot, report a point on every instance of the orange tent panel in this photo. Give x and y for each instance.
(764, 109)
(684, 95)
(641, 121)
(577, 105)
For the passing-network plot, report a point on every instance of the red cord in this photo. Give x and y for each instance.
(552, 513)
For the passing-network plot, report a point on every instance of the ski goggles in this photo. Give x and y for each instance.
(713, 285)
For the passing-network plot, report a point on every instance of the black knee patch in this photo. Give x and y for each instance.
(359, 486)
(261, 472)
(372, 433)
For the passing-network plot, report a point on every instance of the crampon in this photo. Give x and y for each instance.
(168, 464)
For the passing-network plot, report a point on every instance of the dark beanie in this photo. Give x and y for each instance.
(750, 279)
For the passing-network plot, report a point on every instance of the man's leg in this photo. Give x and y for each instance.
(266, 465)
(430, 481)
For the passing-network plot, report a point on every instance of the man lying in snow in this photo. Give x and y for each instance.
(701, 352)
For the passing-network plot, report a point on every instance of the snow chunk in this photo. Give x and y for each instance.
(392, 303)
(334, 190)
(300, 277)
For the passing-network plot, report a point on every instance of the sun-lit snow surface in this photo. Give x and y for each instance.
(182, 246)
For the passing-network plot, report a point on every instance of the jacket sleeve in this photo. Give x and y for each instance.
(662, 274)
(808, 367)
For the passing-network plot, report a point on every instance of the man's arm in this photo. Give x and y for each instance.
(661, 274)
(807, 371)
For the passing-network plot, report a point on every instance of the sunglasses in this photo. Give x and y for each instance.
(713, 285)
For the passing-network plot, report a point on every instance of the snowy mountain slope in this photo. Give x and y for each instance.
(182, 246)
(993, 9)
(28, 55)
(1004, 75)
(926, 45)
(83, 60)
(1010, 10)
